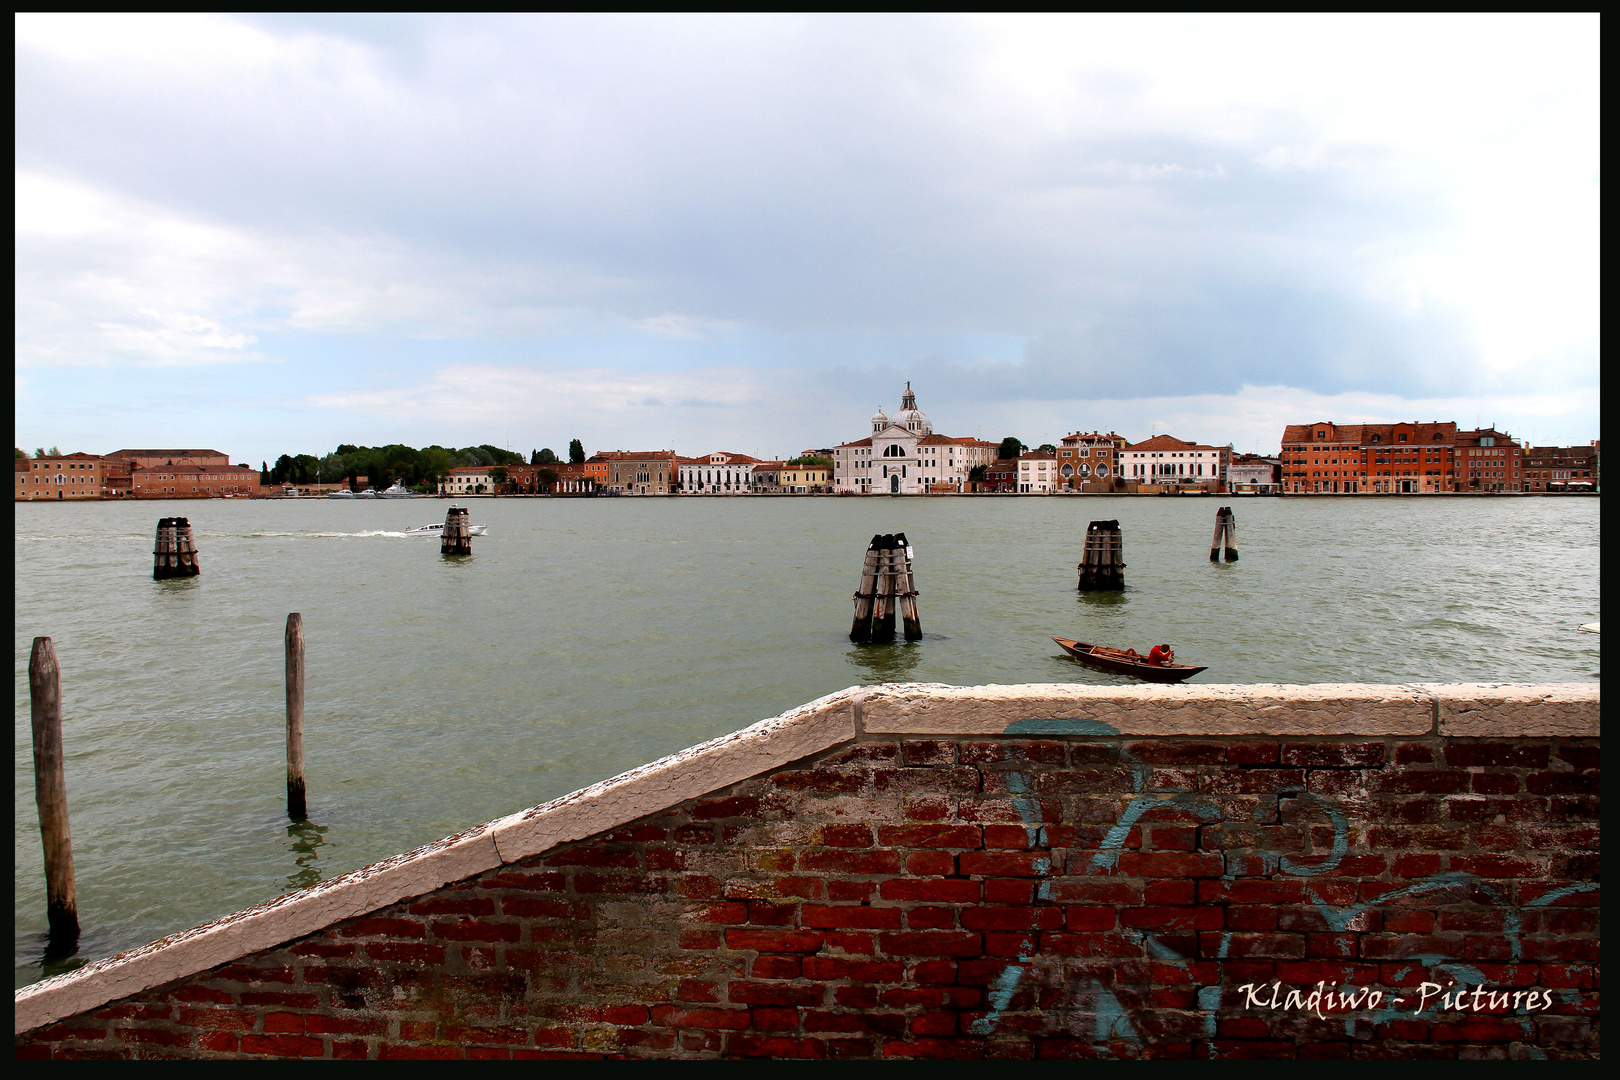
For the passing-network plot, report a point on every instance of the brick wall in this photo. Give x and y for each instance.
(969, 897)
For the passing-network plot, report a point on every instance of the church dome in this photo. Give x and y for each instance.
(912, 418)
(879, 421)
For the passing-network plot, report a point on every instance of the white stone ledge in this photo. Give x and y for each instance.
(902, 708)
(1212, 710)
(1501, 710)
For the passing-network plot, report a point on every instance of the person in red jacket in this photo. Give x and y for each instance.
(1161, 655)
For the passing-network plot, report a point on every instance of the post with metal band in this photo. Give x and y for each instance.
(295, 717)
(50, 792)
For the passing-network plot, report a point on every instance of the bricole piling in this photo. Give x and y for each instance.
(886, 589)
(1102, 564)
(50, 792)
(457, 532)
(174, 554)
(295, 717)
(1225, 526)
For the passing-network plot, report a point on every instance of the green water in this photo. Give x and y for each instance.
(587, 636)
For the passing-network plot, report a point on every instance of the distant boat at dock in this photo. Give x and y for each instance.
(398, 491)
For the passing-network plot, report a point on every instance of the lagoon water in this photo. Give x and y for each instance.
(587, 636)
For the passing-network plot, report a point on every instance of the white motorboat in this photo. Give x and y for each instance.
(398, 491)
(343, 494)
(437, 529)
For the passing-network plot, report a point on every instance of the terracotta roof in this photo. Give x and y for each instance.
(859, 442)
(1044, 455)
(1167, 442)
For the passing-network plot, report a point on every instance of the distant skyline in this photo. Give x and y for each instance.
(272, 234)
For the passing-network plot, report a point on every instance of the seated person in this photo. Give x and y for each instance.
(1161, 655)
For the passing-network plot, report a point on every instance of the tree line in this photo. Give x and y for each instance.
(421, 470)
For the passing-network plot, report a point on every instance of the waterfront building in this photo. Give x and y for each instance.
(1253, 474)
(189, 480)
(596, 470)
(1090, 461)
(63, 477)
(904, 456)
(719, 473)
(468, 480)
(1037, 472)
(767, 477)
(1561, 468)
(1000, 475)
(806, 478)
(639, 472)
(1389, 459)
(1489, 460)
(1168, 462)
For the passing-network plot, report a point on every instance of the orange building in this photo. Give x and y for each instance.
(70, 476)
(1354, 459)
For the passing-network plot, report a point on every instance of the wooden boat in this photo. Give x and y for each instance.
(1126, 662)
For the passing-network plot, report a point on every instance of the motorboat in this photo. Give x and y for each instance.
(398, 491)
(437, 529)
(343, 494)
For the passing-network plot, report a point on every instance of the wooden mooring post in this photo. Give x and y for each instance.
(50, 792)
(457, 532)
(174, 555)
(295, 717)
(1225, 526)
(886, 588)
(1102, 564)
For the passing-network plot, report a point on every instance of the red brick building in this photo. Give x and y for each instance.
(69, 477)
(193, 481)
(1488, 460)
(1561, 468)
(1090, 462)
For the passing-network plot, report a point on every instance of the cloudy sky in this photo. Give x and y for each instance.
(275, 234)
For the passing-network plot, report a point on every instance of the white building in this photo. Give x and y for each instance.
(717, 474)
(1254, 474)
(1037, 472)
(903, 456)
(467, 480)
(1165, 459)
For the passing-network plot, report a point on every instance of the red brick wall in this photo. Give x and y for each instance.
(1005, 898)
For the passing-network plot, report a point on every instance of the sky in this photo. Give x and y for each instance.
(275, 234)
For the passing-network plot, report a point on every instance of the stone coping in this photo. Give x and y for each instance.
(1494, 710)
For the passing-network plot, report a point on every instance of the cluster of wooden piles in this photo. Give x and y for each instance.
(886, 586)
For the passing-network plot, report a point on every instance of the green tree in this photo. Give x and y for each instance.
(39, 451)
(576, 452)
(977, 473)
(264, 473)
(497, 475)
(1047, 448)
(54, 452)
(1010, 448)
(436, 463)
(545, 478)
(546, 457)
(284, 471)
(19, 453)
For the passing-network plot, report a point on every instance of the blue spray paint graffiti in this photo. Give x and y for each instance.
(1112, 1022)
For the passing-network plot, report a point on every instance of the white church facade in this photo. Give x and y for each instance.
(903, 456)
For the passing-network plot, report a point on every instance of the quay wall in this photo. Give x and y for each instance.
(926, 871)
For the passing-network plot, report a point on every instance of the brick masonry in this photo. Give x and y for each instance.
(971, 897)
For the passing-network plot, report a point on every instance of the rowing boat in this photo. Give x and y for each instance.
(1126, 661)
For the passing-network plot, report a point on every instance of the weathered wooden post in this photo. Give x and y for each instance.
(883, 603)
(457, 532)
(860, 630)
(50, 792)
(295, 717)
(1102, 564)
(906, 588)
(1225, 526)
(174, 554)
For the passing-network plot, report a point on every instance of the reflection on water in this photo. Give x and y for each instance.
(892, 662)
(306, 838)
(1103, 600)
